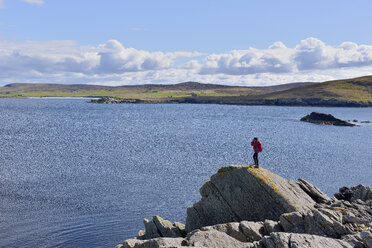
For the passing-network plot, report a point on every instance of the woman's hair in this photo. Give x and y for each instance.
(255, 138)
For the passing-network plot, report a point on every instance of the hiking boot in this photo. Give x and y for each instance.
(257, 166)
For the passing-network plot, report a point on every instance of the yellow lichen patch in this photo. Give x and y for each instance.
(223, 170)
(288, 217)
(343, 211)
(359, 228)
(263, 177)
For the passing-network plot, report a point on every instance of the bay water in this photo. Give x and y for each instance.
(75, 174)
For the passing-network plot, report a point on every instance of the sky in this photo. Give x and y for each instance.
(235, 42)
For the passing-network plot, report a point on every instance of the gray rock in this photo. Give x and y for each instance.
(313, 191)
(294, 240)
(366, 237)
(351, 218)
(181, 228)
(131, 243)
(324, 222)
(218, 227)
(252, 230)
(233, 230)
(154, 243)
(158, 227)
(213, 239)
(272, 226)
(352, 194)
(362, 193)
(355, 240)
(293, 222)
(166, 228)
(151, 231)
(239, 193)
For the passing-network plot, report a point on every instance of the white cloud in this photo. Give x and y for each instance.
(37, 2)
(310, 54)
(64, 57)
(114, 64)
(115, 58)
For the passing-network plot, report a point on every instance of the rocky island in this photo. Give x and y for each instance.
(325, 119)
(243, 206)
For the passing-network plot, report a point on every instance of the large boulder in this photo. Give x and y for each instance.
(238, 193)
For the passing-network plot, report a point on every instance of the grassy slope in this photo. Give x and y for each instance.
(356, 90)
(144, 92)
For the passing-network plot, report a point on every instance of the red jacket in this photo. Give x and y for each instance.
(257, 146)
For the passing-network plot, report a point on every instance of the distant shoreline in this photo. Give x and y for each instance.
(263, 102)
(208, 100)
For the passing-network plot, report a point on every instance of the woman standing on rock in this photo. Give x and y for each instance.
(257, 147)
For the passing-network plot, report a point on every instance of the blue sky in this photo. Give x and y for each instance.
(117, 42)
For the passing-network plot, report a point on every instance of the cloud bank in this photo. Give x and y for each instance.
(310, 54)
(114, 64)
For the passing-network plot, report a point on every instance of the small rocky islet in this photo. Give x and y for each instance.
(244, 206)
(325, 119)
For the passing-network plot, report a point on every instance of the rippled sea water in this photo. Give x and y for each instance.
(74, 174)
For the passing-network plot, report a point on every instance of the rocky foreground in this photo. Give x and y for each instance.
(243, 206)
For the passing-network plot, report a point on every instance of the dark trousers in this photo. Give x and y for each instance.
(255, 157)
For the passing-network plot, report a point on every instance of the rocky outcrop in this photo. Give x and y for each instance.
(158, 227)
(313, 191)
(295, 214)
(352, 194)
(326, 119)
(235, 189)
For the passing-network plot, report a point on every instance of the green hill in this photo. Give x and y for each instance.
(147, 92)
(347, 92)
(355, 90)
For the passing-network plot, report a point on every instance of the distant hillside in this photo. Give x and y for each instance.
(355, 89)
(179, 86)
(148, 92)
(347, 92)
